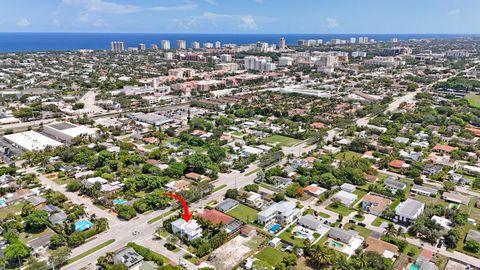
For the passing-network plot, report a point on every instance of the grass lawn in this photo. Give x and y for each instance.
(361, 230)
(140, 194)
(237, 134)
(378, 221)
(253, 171)
(155, 219)
(287, 236)
(218, 188)
(243, 213)
(271, 256)
(360, 194)
(24, 237)
(90, 251)
(412, 249)
(473, 99)
(324, 215)
(430, 200)
(11, 209)
(62, 181)
(281, 140)
(461, 245)
(149, 146)
(347, 155)
(340, 209)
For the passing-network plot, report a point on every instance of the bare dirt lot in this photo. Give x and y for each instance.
(235, 251)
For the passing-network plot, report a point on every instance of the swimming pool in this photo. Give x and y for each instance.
(119, 201)
(414, 267)
(299, 234)
(3, 202)
(274, 227)
(336, 244)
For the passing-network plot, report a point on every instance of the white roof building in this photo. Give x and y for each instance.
(67, 131)
(32, 141)
(190, 230)
(346, 198)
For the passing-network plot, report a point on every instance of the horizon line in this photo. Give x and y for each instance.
(190, 33)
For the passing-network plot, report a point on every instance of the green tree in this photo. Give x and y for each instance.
(176, 169)
(60, 256)
(216, 153)
(76, 239)
(37, 220)
(472, 246)
(125, 211)
(16, 251)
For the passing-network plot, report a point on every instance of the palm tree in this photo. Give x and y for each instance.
(340, 263)
(361, 259)
(321, 255)
(101, 224)
(400, 231)
(390, 230)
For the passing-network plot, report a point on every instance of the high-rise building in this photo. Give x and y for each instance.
(218, 45)
(154, 46)
(353, 40)
(282, 45)
(142, 47)
(208, 45)
(259, 63)
(363, 40)
(195, 45)
(181, 44)
(394, 40)
(226, 58)
(165, 44)
(117, 46)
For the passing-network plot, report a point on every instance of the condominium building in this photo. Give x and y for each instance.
(181, 44)
(165, 44)
(117, 46)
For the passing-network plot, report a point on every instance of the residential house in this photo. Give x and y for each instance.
(197, 177)
(408, 211)
(375, 204)
(425, 191)
(282, 212)
(398, 164)
(40, 245)
(310, 222)
(37, 201)
(314, 190)
(394, 184)
(444, 149)
(387, 250)
(254, 200)
(401, 140)
(431, 169)
(456, 198)
(342, 235)
(128, 257)
(58, 218)
(348, 187)
(280, 182)
(231, 225)
(411, 156)
(189, 230)
(227, 205)
(346, 198)
(473, 235)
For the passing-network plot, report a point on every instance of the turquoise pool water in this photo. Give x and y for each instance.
(274, 227)
(414, 267)
(338, 245)
(3, 202)
(119, 201)
(300, 234)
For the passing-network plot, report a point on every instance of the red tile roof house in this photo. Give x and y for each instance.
(444, 149)
(398, 164)
(317, 125)
(216, 217)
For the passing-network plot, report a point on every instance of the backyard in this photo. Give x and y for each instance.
(271, 256)
(473, 99)
(243, 213)
(281, 140)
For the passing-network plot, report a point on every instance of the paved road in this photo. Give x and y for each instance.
(75, 198)
(89, 100)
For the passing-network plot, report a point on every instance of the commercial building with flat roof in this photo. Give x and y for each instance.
(32, 141)
(67, 131)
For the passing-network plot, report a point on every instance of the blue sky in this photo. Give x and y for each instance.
(241, 16)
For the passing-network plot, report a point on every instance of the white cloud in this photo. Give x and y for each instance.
(248, 23)
(101, 6)
(180, 7)
(23, 22)
(260, 1)
(453, 12)
(332, 22)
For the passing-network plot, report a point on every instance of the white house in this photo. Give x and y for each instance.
(346, 198)
(190, 230)
(282, 212)
(408, 211)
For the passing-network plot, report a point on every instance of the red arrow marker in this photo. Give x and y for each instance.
(186, 214)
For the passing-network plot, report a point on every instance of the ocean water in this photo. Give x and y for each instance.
(27, 42)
